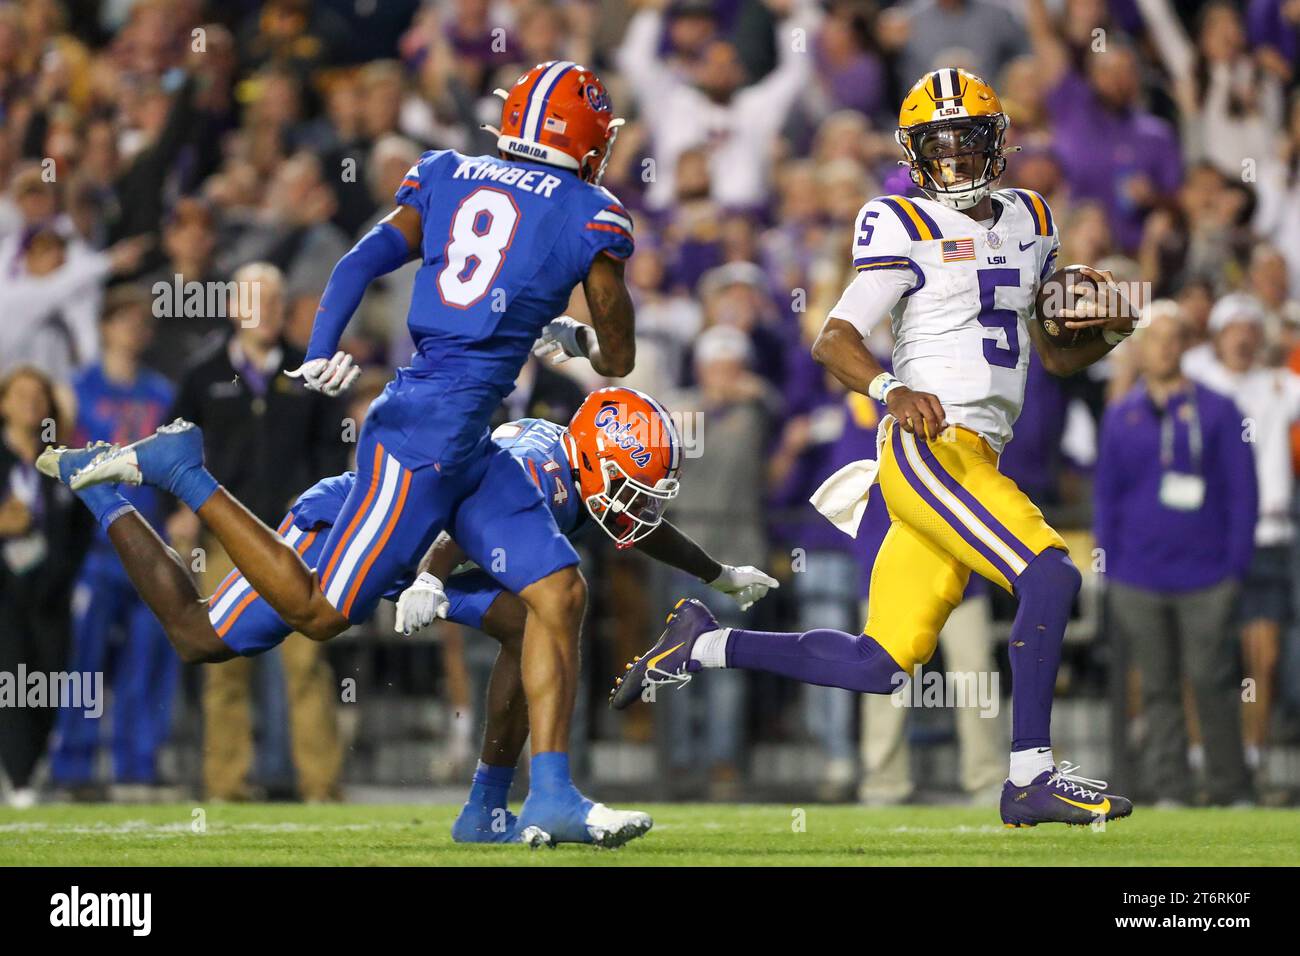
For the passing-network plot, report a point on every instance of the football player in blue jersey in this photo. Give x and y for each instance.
(502, 242)
(614, 466)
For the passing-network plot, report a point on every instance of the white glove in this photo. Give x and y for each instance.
(746, 585)
(420, 604)
(562, 339)
(332, 376)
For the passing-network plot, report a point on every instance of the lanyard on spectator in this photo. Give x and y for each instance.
(1193, 435)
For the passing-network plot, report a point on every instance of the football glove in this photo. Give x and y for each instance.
(562, 339)
(332, 376)
(420, 604)
(745, 585)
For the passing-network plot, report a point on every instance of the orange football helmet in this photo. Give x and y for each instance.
(559, 113)
(627, 456)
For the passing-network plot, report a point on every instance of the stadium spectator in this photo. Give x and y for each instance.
(267, 440)
(44, 533)
(928, 34)
(1173, 462)
(119, 400)
(739, 122)
(52, 302)
(721, 508)
(1111, 149)
(180, 287)
(1269, 398)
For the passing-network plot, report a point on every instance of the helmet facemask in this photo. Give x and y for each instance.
(626, 509)
(956, 161)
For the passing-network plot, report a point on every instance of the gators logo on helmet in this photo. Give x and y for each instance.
(625, 450)
(952, 129)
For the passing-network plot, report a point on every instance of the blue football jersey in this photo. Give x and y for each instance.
(505, 242)
(539, 447)
(112, 412)
(536, 443)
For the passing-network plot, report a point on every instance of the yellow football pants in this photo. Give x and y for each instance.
(951, 512)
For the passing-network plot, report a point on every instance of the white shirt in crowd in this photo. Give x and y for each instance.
(741, 134)
(1269, 399)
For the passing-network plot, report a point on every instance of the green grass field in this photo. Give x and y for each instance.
(684, 835)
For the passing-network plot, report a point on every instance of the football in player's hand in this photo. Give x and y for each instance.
(1068, 294)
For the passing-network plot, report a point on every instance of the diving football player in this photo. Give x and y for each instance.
(502, 241)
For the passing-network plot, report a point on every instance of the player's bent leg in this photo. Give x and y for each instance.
(155, 570)
(919, 586)
(555, 811)
(172, 459)
(505, 526)
(241, 619)
(477, 601)
(950, 492)
(389, 518)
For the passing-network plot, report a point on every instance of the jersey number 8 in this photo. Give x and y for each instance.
(481, 231)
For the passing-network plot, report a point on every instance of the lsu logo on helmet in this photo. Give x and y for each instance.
(952, 129)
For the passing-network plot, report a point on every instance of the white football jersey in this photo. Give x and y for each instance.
(965, 293)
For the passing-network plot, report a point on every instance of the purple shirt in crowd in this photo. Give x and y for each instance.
(1102, 151)
(1266, 26)
(1033, 458)
(1148, 544)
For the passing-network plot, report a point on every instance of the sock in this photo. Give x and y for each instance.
(491, 786)
(550, 772)
(1046, 590)
(711, 648)
(105, 503)
(829, 658)
(1028, 764)
(193, 486)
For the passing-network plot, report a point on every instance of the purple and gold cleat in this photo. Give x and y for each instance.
(668, 662)
(1061, 796)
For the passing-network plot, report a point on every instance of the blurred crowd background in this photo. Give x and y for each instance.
(153, 150)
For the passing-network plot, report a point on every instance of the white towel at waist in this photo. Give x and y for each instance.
(842, 498)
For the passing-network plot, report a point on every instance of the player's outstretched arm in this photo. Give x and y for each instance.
(667, 543)
(840, 349)
(1114, 314)
(386, 247)
(613, 318)
(426, 598)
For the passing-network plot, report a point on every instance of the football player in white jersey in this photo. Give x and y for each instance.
(957, 272)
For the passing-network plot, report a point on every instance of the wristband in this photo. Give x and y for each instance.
(881, 385)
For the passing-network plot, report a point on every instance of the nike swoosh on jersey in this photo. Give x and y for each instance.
(1103, 807)
(1026, 245)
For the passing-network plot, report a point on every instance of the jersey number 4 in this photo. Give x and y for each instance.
(482, 229)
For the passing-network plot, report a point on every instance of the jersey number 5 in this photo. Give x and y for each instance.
(481, 231)
(992, 317)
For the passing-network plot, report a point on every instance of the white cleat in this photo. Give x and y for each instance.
(113, 466)
(612, 828)
(535, 838)
(50, 461)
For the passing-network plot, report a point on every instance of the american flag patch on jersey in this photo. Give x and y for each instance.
(957, 250)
